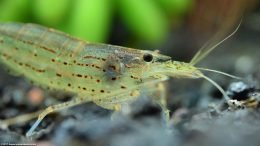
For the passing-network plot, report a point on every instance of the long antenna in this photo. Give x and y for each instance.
(200, 54)
(217, 86)
(220, 72)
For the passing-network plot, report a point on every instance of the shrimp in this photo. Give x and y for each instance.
(110, 76)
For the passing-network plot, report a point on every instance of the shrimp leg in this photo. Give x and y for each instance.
(55, 108)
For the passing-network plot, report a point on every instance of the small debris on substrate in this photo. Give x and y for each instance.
(243, 95)
(235, 122)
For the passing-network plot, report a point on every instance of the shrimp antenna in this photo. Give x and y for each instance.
(220, 72)
(217, 86)
(203, 52)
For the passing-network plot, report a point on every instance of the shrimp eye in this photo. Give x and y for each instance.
(148, 57)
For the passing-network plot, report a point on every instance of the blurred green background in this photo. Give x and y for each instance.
(146, 24)
(147, 20)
